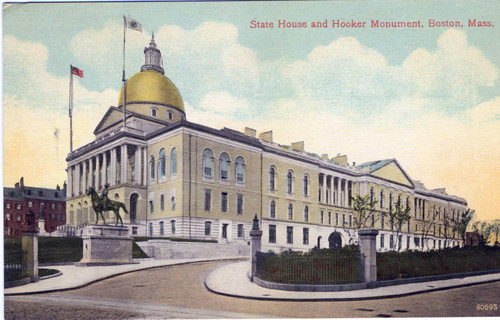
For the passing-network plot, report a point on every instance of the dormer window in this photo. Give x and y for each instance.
(154, 112)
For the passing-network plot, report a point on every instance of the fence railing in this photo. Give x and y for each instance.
(297, 269)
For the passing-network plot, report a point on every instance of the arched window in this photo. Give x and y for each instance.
(152, 167)
(240, 169)
(154, 112)
(272, 178)
(382, 199)
(306, 185)
(289, 182)
(172, 226)
(306, 213)
(372, 195)
(208, 163)
(162, 202)
(162, 164)
(390, 201)
(290, 211)
(224, 166)
(173, 162)
(272, 209)
(162, 228)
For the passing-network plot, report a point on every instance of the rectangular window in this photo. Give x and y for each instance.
(329, 218)
(134, 230)
(391, 241)
(162, 202)
(289, 235)
(350, 221)
(240, 231)
(172, 226)
(343, 219)
(7, 205)
(150, 229)
(223, 202)
(208, 199)
(272, 233)
(321, 217)
(416, 241)
(336, 218)
(381, 222)
(400, 242)
(382, 240)
(305, 235)
(208, 228)
(151, 206)
(162, 228)
(240, 204)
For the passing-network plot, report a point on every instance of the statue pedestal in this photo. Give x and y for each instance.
(105, 245)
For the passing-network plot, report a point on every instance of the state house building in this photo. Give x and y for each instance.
(182, 179)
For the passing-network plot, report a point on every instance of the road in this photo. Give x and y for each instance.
(178, 292)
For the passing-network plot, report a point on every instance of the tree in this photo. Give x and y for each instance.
(463, 222)
(448, 229)
(496, 230)
(398, 217)
(428, 225)
(363, 207)
(485, 229)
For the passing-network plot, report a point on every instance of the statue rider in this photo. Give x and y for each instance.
(104, 197)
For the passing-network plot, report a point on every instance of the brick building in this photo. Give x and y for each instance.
(48, 206)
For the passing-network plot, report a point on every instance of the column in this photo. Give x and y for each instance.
(124, 164)
(339, 189)
(332, 188)
(84, 179)
(97, 172)
(91, 173)
(144, 166)
(69, 191)
(346, 193)
(137, 168)
(77, 183)
(104, 168)
(323, 191)
(113, 167)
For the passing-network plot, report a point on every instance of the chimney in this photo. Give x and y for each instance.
(299, 146)
(17, 185)
(22, 183)
(250, 132)
(58, 187)
(266, 136)
(340, 159)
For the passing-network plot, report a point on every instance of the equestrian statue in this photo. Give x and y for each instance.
(103, 203)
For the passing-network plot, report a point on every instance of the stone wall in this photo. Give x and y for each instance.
(166, 249)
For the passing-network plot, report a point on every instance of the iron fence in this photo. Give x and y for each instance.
(299, 269)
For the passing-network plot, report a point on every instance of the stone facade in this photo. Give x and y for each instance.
(182, 179)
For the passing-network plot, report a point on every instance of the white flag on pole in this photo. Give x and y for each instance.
(132, 24)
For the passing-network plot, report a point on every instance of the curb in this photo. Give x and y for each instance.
(112, 276)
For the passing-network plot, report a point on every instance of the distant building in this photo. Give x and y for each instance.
(182, 179)
(48, 206)
(473, 239)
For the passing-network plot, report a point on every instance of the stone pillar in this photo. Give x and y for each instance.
(84, 174)
(113, 167)
(104, 167)
(91, 173)
(97, 172)
(30, 255)
(346, 193)
(124, 164)
(137, 164)
(332, 188)
(339, 192)
(70, 183)
(368, 256)
(323, 191)
(77, 182)
(144, 166)
(256, 236)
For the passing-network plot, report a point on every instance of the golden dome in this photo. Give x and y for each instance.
(151, 86)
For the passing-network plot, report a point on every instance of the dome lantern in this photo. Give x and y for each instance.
(152, 57)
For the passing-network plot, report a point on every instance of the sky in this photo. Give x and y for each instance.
(427, 96)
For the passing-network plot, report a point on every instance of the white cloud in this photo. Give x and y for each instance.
(223, 102)
(487, 111)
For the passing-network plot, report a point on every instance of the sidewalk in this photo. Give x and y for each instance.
(75, 277)
(231, 279)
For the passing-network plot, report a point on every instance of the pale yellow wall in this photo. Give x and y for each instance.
(393, 173)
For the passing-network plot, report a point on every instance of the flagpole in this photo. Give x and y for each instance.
(71, 109)
(124, 80)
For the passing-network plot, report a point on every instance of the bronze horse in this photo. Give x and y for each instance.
(98, 206)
